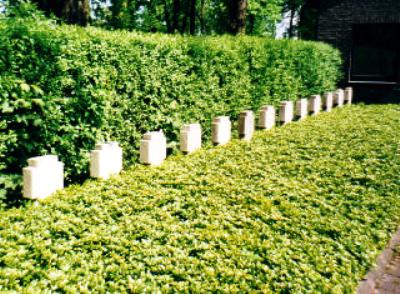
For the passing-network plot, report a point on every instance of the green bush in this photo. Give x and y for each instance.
(305, 208)
(7, 181)
(62, 88)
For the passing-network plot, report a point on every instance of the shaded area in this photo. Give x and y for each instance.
(377, 94)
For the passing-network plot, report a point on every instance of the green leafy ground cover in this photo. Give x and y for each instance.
(305, 207)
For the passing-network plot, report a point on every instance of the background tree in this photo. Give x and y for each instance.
(171, 16)
(256, 17)
(122, 14)
(72, 11)
(237, 16)
(195, 17)
(293, 7)
(262, 16)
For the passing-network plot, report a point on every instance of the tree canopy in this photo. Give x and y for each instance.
(195, 17)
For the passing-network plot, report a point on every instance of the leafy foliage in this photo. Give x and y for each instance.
(302, 208)
(263, 15)
(9, 182)
(206, 16)
(63, 88)
(195, 17)
(72, 11)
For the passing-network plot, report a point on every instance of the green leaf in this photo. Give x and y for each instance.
(25, 87)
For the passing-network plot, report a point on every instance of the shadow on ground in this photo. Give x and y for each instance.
(377, 94)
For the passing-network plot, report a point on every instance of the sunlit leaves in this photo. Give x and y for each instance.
(303, 208)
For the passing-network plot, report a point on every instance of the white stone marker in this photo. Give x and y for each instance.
(43, 177)
(267, 117)
(246, 125)
(153, 148)
(315, 104)
(339, 97)
(328, 101)
(106, 160)
(286, 112)
(221, 130)
(348, 94)
(302, 108)
(190, 139)
(116, 168)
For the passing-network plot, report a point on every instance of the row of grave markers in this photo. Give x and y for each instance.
(45, 174)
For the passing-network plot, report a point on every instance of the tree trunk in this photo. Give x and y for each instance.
(185, 18)
(176, 12)
(167, 18)
(237, 16)
(291, 24)
(184, 24)
(252, 20)
(72, 11)
(192, 15)
(76, 11)
(202, 16)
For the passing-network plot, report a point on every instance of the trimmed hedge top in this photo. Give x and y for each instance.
(62, 88)
(305, 208)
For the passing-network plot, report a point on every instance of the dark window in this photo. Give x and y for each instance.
(376, 53)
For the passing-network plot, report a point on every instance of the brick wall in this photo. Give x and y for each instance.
(336, 18)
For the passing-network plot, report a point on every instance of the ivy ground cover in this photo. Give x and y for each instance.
(303, 208)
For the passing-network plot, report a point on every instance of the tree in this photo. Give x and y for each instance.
(184, 16)
(262, 16)
(176, 11)
(72, 11)
(201, 16)
(294, 7)
(192, 17)
(237, 16)
(255, 17)
(122, 13)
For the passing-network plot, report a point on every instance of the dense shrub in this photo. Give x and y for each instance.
(9, 182)
(62, 88)
(305, 208)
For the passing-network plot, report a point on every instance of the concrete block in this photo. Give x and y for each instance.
(327, 103)
(339, 98)
(153, 148)
(286, 112)
(100, 161)
(116, 167)
(267, 117)
(302, 108)
(348, 94)
(190, 139)
(221, 130)
(315, 104)
(246, 125)
(43, 176)
(106, 160)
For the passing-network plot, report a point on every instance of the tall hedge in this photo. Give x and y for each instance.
(62, 88)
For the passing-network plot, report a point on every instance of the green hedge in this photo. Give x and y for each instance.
(62, 88)
(305, 208)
